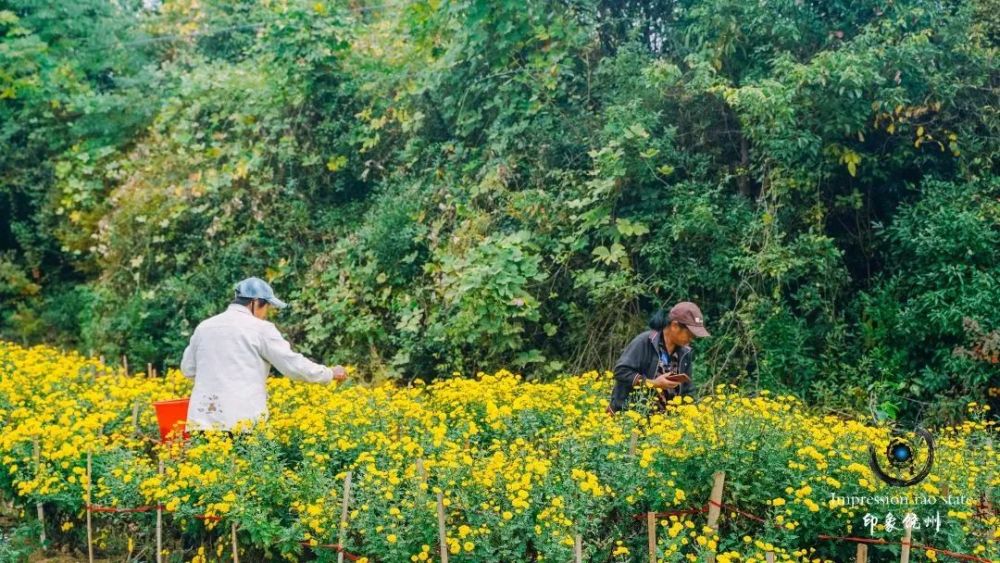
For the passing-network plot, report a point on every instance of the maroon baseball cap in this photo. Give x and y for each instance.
(689, 315)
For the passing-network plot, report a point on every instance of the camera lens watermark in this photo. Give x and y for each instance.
(902, 454)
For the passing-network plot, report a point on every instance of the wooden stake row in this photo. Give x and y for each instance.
(159, 520)
(714, 511)
(443, 529)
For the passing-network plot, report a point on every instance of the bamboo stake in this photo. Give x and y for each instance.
(904, 554)
(578, 548)
(125, 364)
(135, 418)
(236, 546)
(769, 557)
(633, 442)
(442, 532)
(90, 530)
(862, 555)
(159, 524)
(38, 505)
(149, 370)
(719, 481)
(343, 518)
(651, 535)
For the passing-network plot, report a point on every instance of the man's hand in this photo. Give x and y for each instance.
(662, 382)
(339, 373)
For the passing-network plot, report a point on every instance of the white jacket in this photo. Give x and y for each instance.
(229, 357)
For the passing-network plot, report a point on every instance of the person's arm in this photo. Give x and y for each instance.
(188, 360)
(686, 365)
(629, 368)
(278, 352)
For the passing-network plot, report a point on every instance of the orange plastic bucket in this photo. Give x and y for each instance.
(170, 415)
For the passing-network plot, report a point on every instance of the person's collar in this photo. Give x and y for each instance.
(240, 308)
(657, 339)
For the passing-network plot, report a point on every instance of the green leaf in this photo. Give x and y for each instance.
(628, 228)
(532, 356)
(890, 410)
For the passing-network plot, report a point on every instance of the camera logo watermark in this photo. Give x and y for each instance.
(901, 454)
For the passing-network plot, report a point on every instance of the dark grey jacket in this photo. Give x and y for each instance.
(642, 356)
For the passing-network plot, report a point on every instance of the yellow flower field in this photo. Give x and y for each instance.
(523, 468)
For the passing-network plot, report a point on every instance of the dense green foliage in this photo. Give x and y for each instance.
(451, 186)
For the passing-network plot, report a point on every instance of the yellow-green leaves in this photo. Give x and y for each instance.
(852, 160)
(628, 228)
(636, 130)
(336, 163)
(609, 255)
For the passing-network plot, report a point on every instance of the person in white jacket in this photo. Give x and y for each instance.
(229, 357)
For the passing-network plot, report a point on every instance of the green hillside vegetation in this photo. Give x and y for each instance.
(446, 186)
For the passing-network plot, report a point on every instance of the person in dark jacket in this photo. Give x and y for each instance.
(656, 354)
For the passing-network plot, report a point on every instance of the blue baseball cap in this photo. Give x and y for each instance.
(257, 288)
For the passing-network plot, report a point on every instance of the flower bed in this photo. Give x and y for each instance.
(522, 468)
